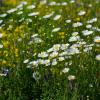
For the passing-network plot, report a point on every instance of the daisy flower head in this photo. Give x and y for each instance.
(98, 57)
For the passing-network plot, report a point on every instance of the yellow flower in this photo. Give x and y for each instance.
(17, 30)
(3, 33)
(61, 33)
(77, 19)
(6, 44)
(16, 52)
(62, 37)
(5, 53)
(97, 41)
(4, 62)
(11, 2)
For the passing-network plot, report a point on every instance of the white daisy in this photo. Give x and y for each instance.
(47, 62)
(24, 3)
(92, 20)
(43, 1)
(87, 32)
(3, 15)
(98, 57)
(48, 16)
(19, 6)
(64, 3)
(1, 46)
(56, 29)
(20, 12)
(77, 24)
(11, 10)
(56, 47)
(1, 35)
(75, 33)
(64, 46)
(97, 39)
(71, 77)
(31, 7)
(26, 61)
(43, 54)
(65, 70)
(50, 50)
(68, 21)
(53, 54)
(74, 38)
(1, 21)
(33, 63)
(88, 26)
(33, 14)
(57, 17)
(54, 62)
(61, 58)
(81, 13)
(72, 1)
(52, 3)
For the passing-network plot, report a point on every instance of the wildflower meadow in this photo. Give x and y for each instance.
(50, 50)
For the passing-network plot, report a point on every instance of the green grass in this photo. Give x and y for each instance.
(30, 72)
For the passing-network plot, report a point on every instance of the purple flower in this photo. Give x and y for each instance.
(5, 71)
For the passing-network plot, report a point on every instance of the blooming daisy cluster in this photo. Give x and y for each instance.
(58, 37)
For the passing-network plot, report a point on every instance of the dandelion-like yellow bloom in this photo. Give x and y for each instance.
(6, 44)
(77, 19)
(62, 35)
(17, 29)
(4, 62)
(16, 52)
(11, 2)
(97, 39)
(5, 53)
